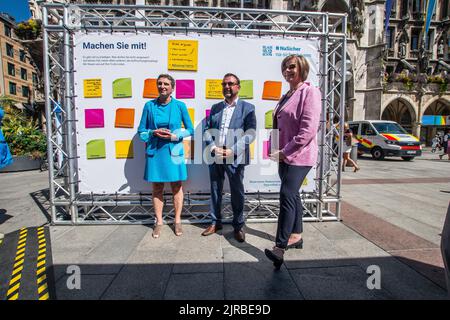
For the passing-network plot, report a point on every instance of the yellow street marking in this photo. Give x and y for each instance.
(14, 297)
(18, 263)
(41, 251)
(40, 257)
(20, 256)
(17, 270)
(40, 263)
(21, 246)
(40, 270)
(44, 297)
(14, 280)
(21, 251)
(42, 288)
(11, 290)
(41, 279)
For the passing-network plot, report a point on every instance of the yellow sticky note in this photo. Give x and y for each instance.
(183, 55)
(92, 88)
(124, 149)
(252, 150)
(191, 112)
(214, 89)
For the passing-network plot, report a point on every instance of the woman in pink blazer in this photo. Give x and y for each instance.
(296, 122)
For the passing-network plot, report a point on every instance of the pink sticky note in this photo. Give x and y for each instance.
(208, 111)
(266, 149)
(94, 118)
(185, 89)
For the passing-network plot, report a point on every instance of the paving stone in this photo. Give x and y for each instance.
(195, 286)
(92, 287)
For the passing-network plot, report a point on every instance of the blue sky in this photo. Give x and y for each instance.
(17, 8)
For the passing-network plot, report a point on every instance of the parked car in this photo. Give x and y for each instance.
(382, 138)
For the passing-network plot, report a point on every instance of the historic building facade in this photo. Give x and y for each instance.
(394, 76)
(18, 74)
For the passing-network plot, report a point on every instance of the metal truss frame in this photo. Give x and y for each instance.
(60, 21)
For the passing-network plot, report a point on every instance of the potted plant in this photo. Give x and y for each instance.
(28, 144)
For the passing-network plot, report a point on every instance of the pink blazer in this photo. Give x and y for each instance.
(298, 122)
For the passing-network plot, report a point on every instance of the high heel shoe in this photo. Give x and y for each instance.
(356, 169)
(277, 261)
(296, 245)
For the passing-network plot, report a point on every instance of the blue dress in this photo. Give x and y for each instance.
(165, 158)
(5, 155)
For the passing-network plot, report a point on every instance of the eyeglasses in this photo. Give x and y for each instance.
(290, 67)
(230, 84)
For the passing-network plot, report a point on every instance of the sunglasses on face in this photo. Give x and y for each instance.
(230, 84)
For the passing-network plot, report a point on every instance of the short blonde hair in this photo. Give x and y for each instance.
(302, 63)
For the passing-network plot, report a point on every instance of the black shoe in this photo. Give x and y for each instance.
(239, 236)
(296, 245)
(277, 262)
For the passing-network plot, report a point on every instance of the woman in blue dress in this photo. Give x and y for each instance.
(5, 155)
(160, 128)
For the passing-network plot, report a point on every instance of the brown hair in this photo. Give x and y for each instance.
(302, 64)
(234, 76)
(169, 77)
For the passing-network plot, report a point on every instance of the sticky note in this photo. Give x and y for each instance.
(92, 88)
(124, 149)
(272, 90)
(268, 123)
(214, 89)
(94, 118)
(191, 112)
(122, 88)
(95, 149)
(252, 150)
(150, 89)
(266, 149)
(207, 112)
(246, 91)
(183, 55)
(185, 89)
(188, 149)
(124, 118)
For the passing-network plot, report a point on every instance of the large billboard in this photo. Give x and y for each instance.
(115, 75)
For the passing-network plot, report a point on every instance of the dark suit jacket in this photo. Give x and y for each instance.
(241, 131)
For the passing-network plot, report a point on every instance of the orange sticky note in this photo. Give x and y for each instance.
(272, 90)
(124, 118)
(188, 149)
(150, 89)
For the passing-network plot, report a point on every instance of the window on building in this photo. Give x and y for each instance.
(394, 9)
(22, 55)
(7, 31)
(11, 69)
(417, 6)
(23, 74)
(390, 37)
(35, 79)
(404, 8)
(430, 40)
(415, 36)
(9, 50)
(445, 9)
(12, 88)
(25, 91)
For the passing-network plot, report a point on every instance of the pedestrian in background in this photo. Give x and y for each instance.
(348, 143)
(445, 144)
(296, 120)
(5, 155)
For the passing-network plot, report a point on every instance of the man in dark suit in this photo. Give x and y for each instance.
(230, 129)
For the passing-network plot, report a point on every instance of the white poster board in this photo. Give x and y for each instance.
(111, 72)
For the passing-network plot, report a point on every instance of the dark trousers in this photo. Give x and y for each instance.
(235, 177)
(290, 218)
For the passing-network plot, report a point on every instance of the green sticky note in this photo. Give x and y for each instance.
(269, 120)
(246, 91)
(95, 149)
(122, 88)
